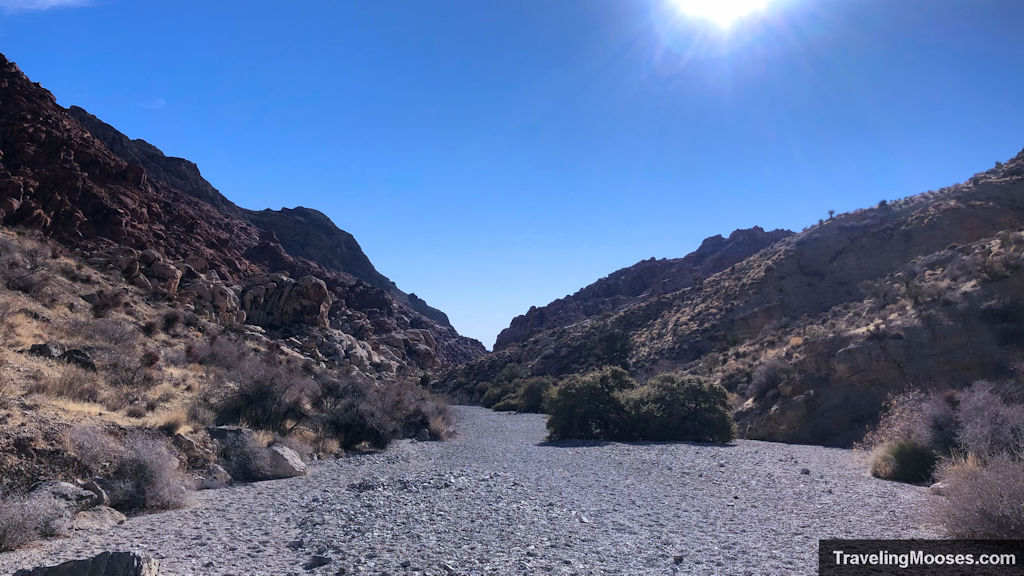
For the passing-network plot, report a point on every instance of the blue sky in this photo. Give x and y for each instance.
(490, 156)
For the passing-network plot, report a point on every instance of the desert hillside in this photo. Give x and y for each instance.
(813, 332)
(134, 296)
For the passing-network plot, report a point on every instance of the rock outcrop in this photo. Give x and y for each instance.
(277, 300)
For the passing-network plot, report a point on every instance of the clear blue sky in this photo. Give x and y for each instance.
(490, 156)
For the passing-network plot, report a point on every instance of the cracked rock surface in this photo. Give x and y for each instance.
(498, 500)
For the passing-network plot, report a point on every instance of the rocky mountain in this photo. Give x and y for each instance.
(812, 333)
(168, 230)
(642, 281)
(302, 232)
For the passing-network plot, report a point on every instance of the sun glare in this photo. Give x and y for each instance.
(723, 13)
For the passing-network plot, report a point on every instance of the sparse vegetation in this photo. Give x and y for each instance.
(973, 442)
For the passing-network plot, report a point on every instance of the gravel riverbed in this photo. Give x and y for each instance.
(498, 500)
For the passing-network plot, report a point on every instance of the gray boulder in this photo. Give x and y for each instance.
(74, 498)
(98, 518)
(215, 478)
(105, 564)
(284, 462)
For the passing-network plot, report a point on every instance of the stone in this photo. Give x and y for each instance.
(98, 518)
(52, 350)
(216, 477)
(104, 564)
(276, 300)
(93, 485)
(316, 562)
(423, 435)
(284, 462)
(79, 358)
(805, 471)
(168, 276)
(73, 497)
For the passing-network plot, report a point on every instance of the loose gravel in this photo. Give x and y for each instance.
(497, 499)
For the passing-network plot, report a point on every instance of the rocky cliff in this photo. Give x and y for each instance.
(812, 333)
(122, 203)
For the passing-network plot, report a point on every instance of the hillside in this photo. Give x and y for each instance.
(134, 296)
(86, 185)
(642, 281)
(811, 334)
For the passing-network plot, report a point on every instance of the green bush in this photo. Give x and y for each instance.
(527, 395)
(678, 407)
(903, 461)
(587, 406)
(608, 404)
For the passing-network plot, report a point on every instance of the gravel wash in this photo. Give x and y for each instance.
(498, 500)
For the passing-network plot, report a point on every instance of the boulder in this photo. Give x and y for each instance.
(284, 462)
(277, 300)
(93, 485)
(79, 358)
(73, 497)
(215, 478)
(167, 275)
(51, 350)
(105, 564)
(98, 518)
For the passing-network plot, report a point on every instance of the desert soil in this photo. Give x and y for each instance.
(498, 500)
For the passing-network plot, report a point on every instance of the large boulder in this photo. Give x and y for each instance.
(285, 462)
(277, 300)
(74, 498)
(105, 564)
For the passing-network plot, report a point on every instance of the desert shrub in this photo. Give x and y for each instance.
(172, 319)
(502, 385)
(766, 377)
(220, 352)
(675, 407)
(6, 388)
(28, 518)
(925, 419)
(172, 422)
(527, 395)
(356, 413)
(988, 425)
(587, 406)
(145, 476)
(96, 450)
(982, 500)
(244, 458)
(903, 461)
(266, 395)
(199, 413)
(108, 301)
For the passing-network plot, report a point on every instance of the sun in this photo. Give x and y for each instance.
(723, 13)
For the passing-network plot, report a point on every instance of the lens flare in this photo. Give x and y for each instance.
(722, 13)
